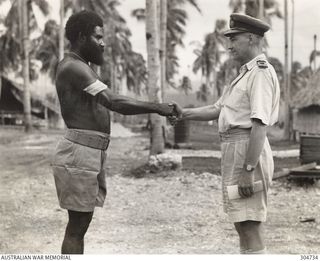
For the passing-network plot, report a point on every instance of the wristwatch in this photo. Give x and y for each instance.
(248, 167)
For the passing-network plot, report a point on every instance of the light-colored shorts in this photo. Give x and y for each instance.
(234, 146)
(79, 175)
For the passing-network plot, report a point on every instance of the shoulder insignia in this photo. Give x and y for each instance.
(262, 64)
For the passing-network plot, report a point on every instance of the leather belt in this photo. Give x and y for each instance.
(87, 139)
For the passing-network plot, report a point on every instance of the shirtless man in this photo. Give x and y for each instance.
(78, 162)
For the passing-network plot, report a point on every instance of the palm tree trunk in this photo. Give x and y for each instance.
(0, 83)
(153, 82)
(61, 31)
(117, 75)
(163, 44)
(208, 84)
(25, 66)
(215, 85)
(59, 124)
(163, 56)
(287, 121)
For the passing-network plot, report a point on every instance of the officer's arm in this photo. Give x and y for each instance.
(261, 99)
(256, 142)
(85, 79)
(205, 113)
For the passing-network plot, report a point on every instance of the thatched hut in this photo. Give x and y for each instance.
(11, 105)
(306, 107)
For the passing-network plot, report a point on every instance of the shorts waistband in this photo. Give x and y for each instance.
(235, 134)
(92, 139)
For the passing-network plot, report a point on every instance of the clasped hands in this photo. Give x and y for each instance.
(172, 111)
(177, 114)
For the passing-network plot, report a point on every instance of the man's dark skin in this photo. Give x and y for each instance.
(81, 110)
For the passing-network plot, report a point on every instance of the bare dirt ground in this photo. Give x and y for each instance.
(164, 213)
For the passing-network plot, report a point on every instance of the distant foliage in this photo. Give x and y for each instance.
(203, 93)
(185, 85)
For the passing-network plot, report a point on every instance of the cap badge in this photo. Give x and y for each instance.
(232, 24)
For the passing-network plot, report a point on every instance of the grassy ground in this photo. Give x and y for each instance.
(165, 213)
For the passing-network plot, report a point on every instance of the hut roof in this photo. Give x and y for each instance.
(308, 95)
(18, 93)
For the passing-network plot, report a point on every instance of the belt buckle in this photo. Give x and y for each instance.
(102, 143)
(105, 143)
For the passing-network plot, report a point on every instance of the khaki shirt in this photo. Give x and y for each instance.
(255, 93)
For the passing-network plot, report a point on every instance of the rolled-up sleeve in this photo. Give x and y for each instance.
(261, 93)
(218, 104)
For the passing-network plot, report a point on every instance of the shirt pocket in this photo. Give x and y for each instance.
(238, 99)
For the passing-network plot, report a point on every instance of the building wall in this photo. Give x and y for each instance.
(307, 120)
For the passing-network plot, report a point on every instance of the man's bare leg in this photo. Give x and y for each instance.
(250, 234)
(76, 229)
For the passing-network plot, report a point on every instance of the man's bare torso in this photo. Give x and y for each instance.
(79, 109)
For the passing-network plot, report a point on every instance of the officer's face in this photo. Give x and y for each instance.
(239, 46)
(93, 48)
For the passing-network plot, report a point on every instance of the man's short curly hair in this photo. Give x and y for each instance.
(82, 22)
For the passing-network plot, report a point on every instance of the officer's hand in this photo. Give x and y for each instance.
(177, 114)
(177, 110)
(245, 184)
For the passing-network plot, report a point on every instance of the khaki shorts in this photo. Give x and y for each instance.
(79, 176)
(234, 147)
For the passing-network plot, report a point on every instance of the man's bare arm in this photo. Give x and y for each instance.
(129, 106)
(83, 77)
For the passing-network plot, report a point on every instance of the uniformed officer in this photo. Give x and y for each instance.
(245, 109)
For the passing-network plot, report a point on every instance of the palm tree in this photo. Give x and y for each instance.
(153, 80)
(25, 66)
(135, 72)
(228, 71)
(278, 67)
(251, 7)
(203, 93)
(1, 53)
(185, 85)
(176, 21)
(61, 31)
(16, 46)
(299, 77)
(48, 51)
(313, 56)
(209, 57)
(117, 34)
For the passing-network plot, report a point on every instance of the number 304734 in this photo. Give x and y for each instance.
(309, 257)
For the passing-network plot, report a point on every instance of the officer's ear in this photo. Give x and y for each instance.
(250, 39)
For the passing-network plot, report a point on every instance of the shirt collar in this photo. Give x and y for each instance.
(249, 65)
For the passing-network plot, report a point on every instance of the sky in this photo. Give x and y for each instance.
(306, 24)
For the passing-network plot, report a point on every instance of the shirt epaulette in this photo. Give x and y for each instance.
(262, 64)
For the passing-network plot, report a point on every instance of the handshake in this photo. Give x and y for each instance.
(172, 111)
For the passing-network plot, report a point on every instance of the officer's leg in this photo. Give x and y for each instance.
(75, 231)
(250, 233)
(243, 243)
